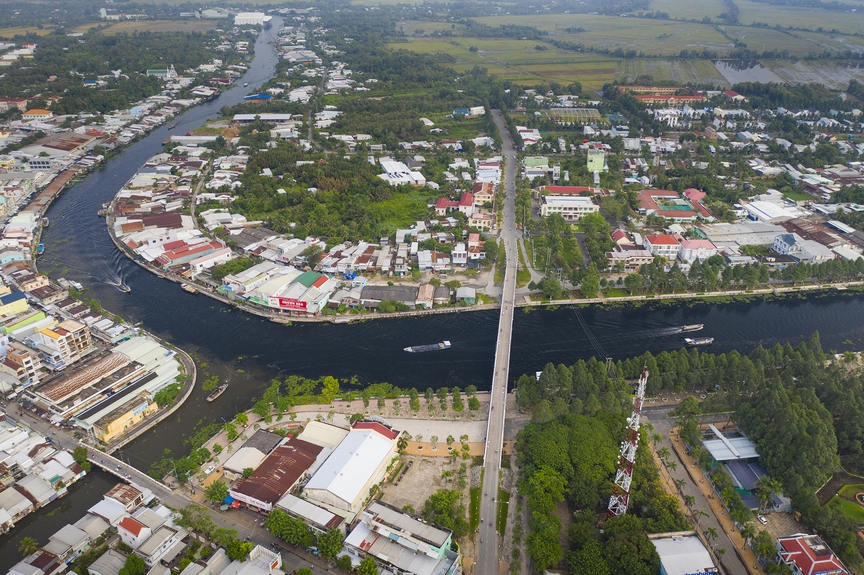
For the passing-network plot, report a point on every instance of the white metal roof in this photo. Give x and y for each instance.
(352, 464)
(323, 434)
(719, 450)
(305, 510)
(682, 555)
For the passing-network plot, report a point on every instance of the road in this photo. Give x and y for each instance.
(488, 545)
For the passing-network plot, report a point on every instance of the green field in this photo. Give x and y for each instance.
(9, 33)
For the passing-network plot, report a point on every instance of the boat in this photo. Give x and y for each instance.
(699, 340)
(45, 222)
(217, 392)
(429, 347)
(172, 126)
(692, 327)
(245, 84)
(123, 287)
(40, 250)
(189, 289)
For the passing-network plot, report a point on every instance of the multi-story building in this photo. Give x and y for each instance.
(571, 208)
(662, 245)
(63, 345)
(401, 543)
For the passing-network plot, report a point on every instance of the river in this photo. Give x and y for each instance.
(249, 351)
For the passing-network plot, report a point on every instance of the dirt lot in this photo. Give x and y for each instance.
(420, 481)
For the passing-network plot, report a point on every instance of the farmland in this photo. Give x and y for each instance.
(9, 33)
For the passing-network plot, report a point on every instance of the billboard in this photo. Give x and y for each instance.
(287, 303)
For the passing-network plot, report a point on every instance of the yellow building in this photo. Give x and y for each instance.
(13, 304)
(124, 418)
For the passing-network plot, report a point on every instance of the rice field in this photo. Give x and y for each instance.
(9, 33)
(764, 39)
(799, 17)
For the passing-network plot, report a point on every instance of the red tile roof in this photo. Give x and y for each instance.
(797, 550)
(661, 240)
(131, 525)
(467, 199)
(388, 433)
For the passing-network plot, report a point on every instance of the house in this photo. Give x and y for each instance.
(804, 250)
(692, 250)
(401, 543)
(465, 204)
(466, 294)
(67, 543)
(132, 532)
(809, 555)
(36, 114)
(662, 245)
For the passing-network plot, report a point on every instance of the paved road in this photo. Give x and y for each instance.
(489, 542)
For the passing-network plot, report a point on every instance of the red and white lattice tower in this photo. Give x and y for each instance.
(620, 497)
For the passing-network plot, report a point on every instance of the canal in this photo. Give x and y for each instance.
(249, 352)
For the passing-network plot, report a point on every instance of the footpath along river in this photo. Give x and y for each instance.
(249, 351)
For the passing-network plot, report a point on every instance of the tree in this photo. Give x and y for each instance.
(590, 285)
(473, 403)
(241, 418)
(134, 565)
(330, 544)
(28, 546)
(238, 550)
(79, 454)
(216, 492)
(589, 560)
(344, 563)
(312, 255)
(367, 566)
(247, 472)
(748, 532)
(443, 508)
(634, 282)
(305, 571)
(710, 533)
(763, 545)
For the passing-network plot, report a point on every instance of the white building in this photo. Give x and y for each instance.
(692, 250)
(360, 461)
(571, 208)
(681, 554)
(251, 19)
(805, 250)
(662, 245)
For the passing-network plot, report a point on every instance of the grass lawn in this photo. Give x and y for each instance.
(523, 278)
(403, 208)
(615, 292)
(851, 510)
(849, 491)
(160, 26)
(503, 506)
(798, 196)
(474, 506)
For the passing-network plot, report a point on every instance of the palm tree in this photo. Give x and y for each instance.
(689, 501)
(672, 465)
(656, 438)
(680, 483)
(710, 533)
(720, 551)
(697, 513)
(748, 532)
(28, 546)
(663, 452)
(766, 488)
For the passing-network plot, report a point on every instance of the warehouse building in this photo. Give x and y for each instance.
(682, 554)
(358, 462)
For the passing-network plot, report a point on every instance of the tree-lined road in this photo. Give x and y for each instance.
(488, 545)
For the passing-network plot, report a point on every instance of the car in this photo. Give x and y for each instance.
(210, 469)
(762, 520)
